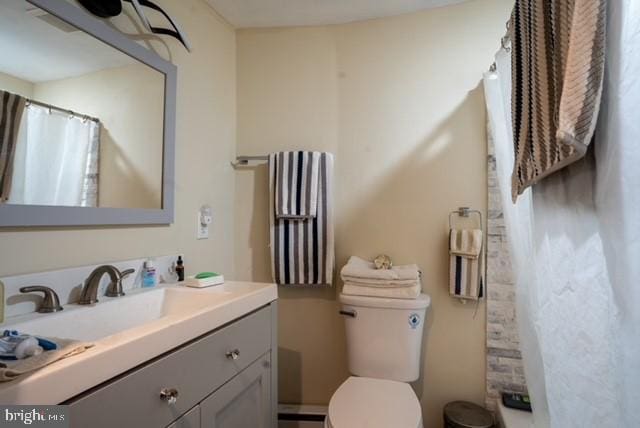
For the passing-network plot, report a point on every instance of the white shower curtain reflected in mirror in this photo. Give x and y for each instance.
(56, 160)
(575, 244)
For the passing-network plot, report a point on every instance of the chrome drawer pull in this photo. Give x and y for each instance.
(170, 395)
(233, 355)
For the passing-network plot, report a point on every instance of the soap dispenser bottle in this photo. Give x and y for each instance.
(149, 277)
(180, 269)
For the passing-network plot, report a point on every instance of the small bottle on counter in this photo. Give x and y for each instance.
(180, 269)
(149, 277)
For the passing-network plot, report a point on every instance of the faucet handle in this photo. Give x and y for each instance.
(50, 303)
(115, 287)
(126, 272)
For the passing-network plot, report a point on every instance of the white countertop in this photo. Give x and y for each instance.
(123, 351)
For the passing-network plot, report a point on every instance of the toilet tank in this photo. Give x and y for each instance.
(384, 336)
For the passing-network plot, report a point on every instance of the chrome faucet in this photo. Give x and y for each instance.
(89, 293)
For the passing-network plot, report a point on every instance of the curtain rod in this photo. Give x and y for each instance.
(62, 110)
(505, 41)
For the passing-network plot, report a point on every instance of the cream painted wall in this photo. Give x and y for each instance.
(399, 102)
(205, 144)
(15, 85)
(129, 101)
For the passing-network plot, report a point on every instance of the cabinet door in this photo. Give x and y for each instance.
(194, 370)
(243, 402)
(191, 419)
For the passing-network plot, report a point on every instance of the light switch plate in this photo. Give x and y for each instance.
(202, 230)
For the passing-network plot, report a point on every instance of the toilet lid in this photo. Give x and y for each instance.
(362, 402)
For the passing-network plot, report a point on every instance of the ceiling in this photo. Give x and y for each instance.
(38, 47)
(283, 13)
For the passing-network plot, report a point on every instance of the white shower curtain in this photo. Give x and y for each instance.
(575, 241)
(56, 160)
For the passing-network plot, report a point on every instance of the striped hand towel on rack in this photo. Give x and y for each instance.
(465, 273)
(301, 218)
(296, 188)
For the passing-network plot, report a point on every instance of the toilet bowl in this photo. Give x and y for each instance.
(362, 402)
(384, 338)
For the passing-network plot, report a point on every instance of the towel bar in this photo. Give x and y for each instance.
(465, 212)
(244, 160)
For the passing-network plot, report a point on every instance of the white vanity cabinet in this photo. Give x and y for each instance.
(223, 379)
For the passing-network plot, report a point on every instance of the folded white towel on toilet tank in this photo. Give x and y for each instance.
(382, 283)
(411, 292)
(364, 272)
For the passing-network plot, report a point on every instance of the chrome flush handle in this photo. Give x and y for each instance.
(233, 355)
(349, 313)
(170, 395)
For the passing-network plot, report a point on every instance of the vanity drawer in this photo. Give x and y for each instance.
(194, 371)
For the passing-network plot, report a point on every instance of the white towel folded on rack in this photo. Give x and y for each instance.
(411, 292)
(465, 242)
(465, 272)
(360, 270)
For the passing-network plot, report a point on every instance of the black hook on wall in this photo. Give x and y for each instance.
(111, 8)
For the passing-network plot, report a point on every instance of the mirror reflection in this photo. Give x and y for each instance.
(81, 123)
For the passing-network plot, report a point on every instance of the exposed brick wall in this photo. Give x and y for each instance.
(504, 361)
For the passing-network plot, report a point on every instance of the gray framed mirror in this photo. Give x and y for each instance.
(87, 121)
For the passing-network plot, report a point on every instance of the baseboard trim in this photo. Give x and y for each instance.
(302, 412)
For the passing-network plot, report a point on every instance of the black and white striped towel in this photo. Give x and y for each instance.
(296, 189)
(302, 251)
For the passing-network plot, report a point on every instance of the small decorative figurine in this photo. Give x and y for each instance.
(383, 262)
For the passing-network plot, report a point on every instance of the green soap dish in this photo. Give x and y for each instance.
(204, 279)
(203, 275)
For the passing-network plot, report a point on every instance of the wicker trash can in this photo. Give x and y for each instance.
(462, 414)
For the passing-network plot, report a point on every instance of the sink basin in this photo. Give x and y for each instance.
(126, 332)
(117, 315)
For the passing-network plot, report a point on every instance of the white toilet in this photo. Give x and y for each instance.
(384, 340)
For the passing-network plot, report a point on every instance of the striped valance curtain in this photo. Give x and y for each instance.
(11, 109)
(558, 54)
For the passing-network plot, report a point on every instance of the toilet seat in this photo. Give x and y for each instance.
(362, 402)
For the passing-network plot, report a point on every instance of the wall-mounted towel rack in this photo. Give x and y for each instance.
(244, 160)
(464, 212)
